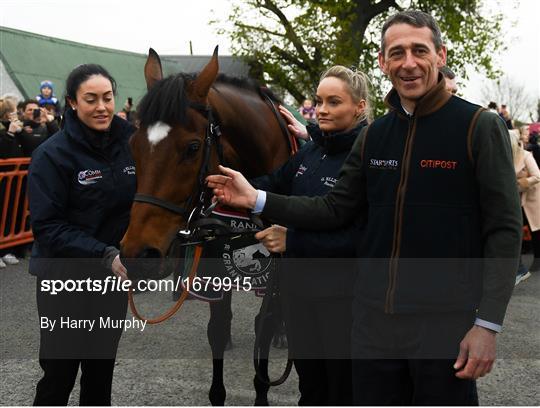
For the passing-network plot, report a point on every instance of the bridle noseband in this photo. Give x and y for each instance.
(188, 209)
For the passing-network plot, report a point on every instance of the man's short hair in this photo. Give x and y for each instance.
(417, 19)
(492, 105)
(28, 102)
(447, 72)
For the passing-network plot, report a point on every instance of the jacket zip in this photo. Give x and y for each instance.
(398, 218)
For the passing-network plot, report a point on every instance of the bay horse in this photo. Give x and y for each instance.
(172, 156)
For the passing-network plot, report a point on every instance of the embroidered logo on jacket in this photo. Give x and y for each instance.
(87, 177)
(301, 170)
(382, 164)
(438, 164)
(129, 170)
(329, 181)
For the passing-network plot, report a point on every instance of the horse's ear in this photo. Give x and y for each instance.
(152, 69)
(207, 76)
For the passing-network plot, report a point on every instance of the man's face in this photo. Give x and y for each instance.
(411, 61)
(29, 111)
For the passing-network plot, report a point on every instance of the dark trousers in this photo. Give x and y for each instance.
(318, 331)
(63, 350)
(407, 359)
(410, 382)
(59, 377)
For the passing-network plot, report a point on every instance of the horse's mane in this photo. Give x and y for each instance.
(167, 101)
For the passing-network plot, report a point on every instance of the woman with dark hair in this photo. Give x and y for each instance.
(81, 185)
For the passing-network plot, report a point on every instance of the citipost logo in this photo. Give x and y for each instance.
(438, 164)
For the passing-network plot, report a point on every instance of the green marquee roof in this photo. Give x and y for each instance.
(31, 58)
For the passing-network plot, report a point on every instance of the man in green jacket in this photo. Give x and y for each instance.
(434, 185)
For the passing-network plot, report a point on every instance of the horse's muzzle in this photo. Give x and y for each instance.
(147, 265)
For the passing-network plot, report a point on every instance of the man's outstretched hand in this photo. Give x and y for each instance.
(231, 188)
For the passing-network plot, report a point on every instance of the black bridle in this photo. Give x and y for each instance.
(212, 137)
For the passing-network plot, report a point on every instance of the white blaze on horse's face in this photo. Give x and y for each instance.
(157, 132)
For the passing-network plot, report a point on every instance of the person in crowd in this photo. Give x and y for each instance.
(505, 115)
(524, 137)
(81, 186)
(131, 114)
(121, 114)
(10, 130)
(492, 107)
(528, 177)
(307, 110)
(38, 126)
(317, 302)
(449, 79)
(534, 146)
(433, 183)
(47, 99)
(10, 147)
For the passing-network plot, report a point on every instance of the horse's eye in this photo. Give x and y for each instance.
(192, 149)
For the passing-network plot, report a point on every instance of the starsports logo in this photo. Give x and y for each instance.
(87, 177)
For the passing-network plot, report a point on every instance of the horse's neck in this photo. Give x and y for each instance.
(249, 133)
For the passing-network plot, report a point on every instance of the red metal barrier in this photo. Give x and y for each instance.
(15, 221)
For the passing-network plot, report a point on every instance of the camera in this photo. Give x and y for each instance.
(37, 114)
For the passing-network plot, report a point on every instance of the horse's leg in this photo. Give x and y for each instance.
(219, 329)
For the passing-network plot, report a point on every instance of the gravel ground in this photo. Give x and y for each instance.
(169, 364)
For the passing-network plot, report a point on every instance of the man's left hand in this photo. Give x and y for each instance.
(476, 353)
(273, 238)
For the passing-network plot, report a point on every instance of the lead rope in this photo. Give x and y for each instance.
(272, 287)
(179, 302)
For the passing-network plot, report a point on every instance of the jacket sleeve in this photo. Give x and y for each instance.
(52, 127)
(48, 192)
(500, 215)
(280, 180)
(346, 201)
(340, 243)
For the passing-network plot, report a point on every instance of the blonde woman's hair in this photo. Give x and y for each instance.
(358, 85)
(6, 106)
(515, 142)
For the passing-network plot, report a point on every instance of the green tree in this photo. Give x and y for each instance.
(289, 43)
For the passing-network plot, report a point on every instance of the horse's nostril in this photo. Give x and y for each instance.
(150, 253)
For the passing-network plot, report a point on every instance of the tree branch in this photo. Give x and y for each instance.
(289, 30)
(261, 29)
(380, 7)
(290, 58)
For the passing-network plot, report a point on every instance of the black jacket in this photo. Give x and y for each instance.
(439, 184)
(31, 140)
(10, 145)
(313, 171)
(80, 193)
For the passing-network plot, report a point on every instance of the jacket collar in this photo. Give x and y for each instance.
(332, 143)
(78, 132)
(431, 102)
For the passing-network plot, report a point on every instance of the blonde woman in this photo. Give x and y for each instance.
(317, 295)
(528, 179)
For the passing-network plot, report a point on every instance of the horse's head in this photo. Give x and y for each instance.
(170, 152)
